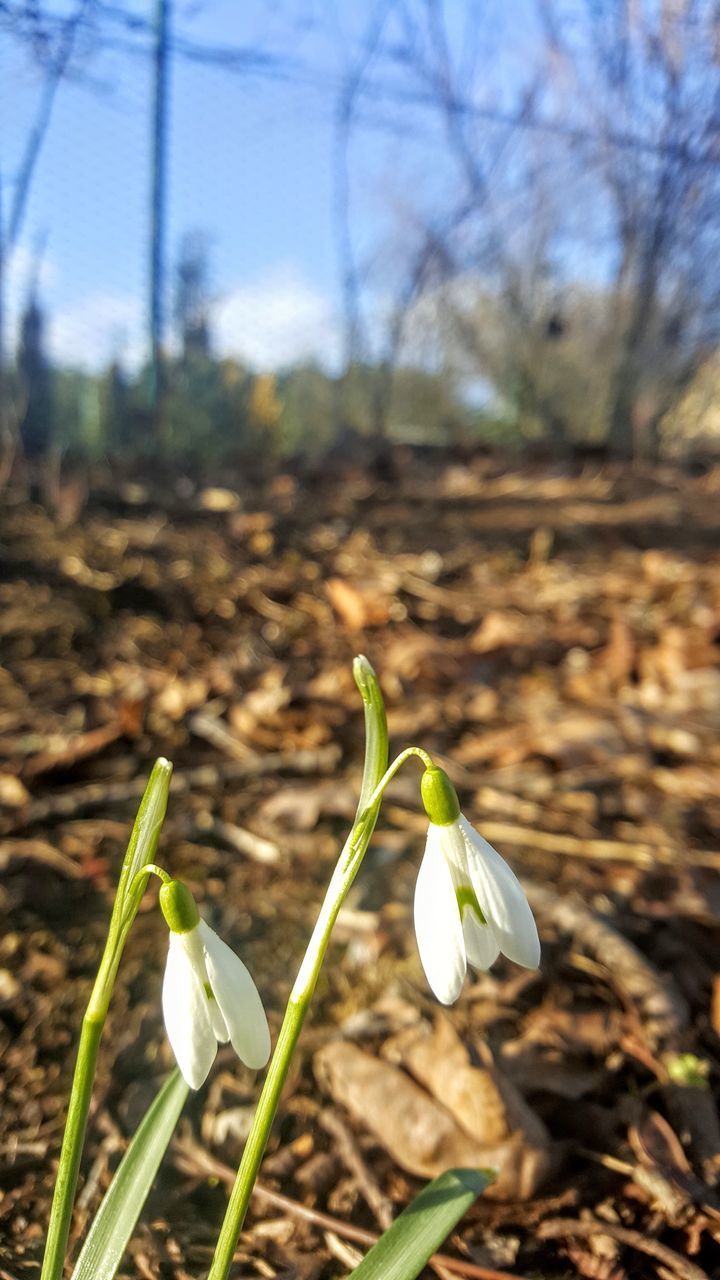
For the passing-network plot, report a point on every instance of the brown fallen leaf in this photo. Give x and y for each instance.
(617, 659)
(356, 608)
(481, 1100)
(218, 500)
(13, 793)
(180, 696)
(417, 1131)
(500, 630)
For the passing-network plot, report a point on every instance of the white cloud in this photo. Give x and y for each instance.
(96, 329)
(272, 321)
(27, 266)
(277, 319)
(26, 269)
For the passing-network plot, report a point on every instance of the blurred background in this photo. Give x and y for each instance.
(257, 229)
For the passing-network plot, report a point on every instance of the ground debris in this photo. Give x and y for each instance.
(551, 634)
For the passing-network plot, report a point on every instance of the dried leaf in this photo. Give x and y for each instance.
(357, 608)
(421, 1134)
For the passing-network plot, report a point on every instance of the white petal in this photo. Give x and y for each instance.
(185, 1009)
(437, 922)
(238, 1000)
(501, 899)
(481, 945)
(218, 1023)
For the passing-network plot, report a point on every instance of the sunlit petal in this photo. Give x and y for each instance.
(437, 922)
(217, 1021)
(185, 1010)
(502, 900)
(238, 1000)
(481, 945)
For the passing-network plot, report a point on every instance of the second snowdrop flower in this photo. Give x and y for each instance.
(469, 906)
(208, 994)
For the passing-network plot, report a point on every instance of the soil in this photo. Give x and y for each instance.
(551, 633)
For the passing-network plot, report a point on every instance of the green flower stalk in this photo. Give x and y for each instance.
(374, 780)
(136, 868)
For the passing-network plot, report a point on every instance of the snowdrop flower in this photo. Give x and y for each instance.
(208, 994)
(469, 906)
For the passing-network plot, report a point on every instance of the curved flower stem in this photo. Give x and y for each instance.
(142, 846)
(374, 775)
(389, 774)
(150, 869)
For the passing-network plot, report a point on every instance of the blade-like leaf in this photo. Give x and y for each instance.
(115, 1220)
(403, 1250)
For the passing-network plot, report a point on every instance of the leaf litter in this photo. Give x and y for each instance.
(551, 633)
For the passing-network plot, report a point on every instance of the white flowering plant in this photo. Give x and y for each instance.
(469, 908)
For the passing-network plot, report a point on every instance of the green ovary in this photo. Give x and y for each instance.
(467, 901)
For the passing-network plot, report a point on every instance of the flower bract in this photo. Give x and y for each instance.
(208, 997)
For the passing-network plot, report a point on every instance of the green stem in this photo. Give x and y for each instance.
(72, 1146)
(138, 859)
(292, 1023)
(376, 752)
(150, 869)
(257, 1140)
(389, 774)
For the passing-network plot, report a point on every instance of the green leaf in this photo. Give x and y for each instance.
(403, 1250)
(146, 830)
(376, 731)
(115, 1220)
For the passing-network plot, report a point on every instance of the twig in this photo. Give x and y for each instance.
(243, 841)
(212, 730)
(98, 795)
(344, 1253)
(554, 1228)
(193, 1159)
(645, 855)
(39, 851)
(64, 752)
(351, 1157)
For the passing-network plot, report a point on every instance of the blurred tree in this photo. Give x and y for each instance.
(307, 423)
(79, 417)
(51, 39)
(36, 423)
(562, 246)
(426, 407)
(192, 295)
(641, 81)
(115, 406)
(265, 411)
(207, 406)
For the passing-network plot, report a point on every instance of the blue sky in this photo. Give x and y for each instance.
(250, 166)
